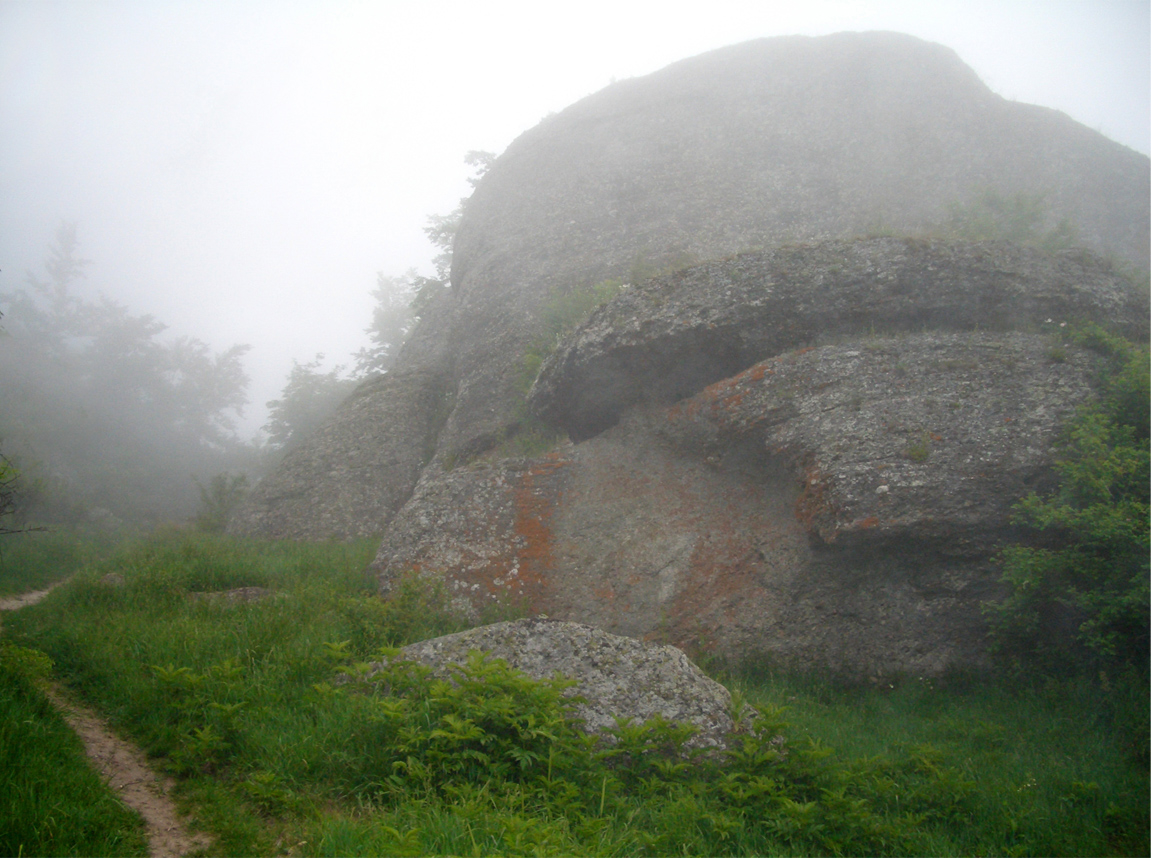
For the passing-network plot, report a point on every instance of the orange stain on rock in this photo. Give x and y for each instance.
(535, 503)
(813, 503)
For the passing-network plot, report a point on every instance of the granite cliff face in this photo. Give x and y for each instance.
(806, 450)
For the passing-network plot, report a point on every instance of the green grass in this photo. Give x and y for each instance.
(37, 559)
(241, 702)
(51, 801)
(1059, 765)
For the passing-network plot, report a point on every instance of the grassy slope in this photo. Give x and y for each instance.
(38, 559)
(1054, 766)
(237, 700)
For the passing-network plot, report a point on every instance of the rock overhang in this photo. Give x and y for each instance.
(672, 337)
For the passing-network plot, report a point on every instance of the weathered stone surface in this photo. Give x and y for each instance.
(619, 677)
(908, 441)
(730, 490)
(836, 504)
(671, 337)
(768, 142)
(490, 524)
(773, 141)
(348, 479)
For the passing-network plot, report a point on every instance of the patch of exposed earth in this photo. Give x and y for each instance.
(123, 766)
(15, 603)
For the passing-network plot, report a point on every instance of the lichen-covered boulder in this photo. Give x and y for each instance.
(919, 440)
(618, 677)
(836, 504)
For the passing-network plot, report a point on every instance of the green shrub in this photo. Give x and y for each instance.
(1022, 218)
(1086, 592)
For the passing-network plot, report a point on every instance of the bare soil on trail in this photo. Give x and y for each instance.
(123, 766)
(15, 603)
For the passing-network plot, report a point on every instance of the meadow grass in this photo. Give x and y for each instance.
(1055, 765)
(34, 560)
(241, 701)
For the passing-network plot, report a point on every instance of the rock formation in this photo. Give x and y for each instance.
(358, 468)
(806, 450)
(835, 503)
(678, 334)
(617, 677)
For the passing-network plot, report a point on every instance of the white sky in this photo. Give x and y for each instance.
(242, 170)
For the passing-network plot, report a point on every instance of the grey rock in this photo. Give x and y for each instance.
(237, 596)
(348, 479)
(773, 141)
(837, 505)
(675, 335)
(909, 442)
(742, 481)
(619, 678)
(769, 142)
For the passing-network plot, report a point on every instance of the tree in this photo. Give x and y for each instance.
(218, 500)
(8, 484)
(308, 399)
(441, 229)
(101, 410)
(401, 300)
(392, 320)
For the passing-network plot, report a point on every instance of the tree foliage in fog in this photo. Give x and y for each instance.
(441, 229)
(308, 399)
(310, 396)
(100, 410)
(218, 500)
(393, 318)
(1085, 594)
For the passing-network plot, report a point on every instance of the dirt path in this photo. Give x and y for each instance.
(15, 603)
(125, 769)
(123, 766)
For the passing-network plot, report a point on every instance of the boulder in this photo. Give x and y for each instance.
(805, 445)
(836, 504)
(618, 677)
(770, 142)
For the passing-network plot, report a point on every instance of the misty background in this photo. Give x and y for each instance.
(244, 172)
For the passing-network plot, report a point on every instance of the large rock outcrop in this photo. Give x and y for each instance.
(358, 469)
(618, 678)
(778, 140)
(836, 504)
(806, 450)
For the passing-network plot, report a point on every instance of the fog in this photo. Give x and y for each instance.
(242, 171)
